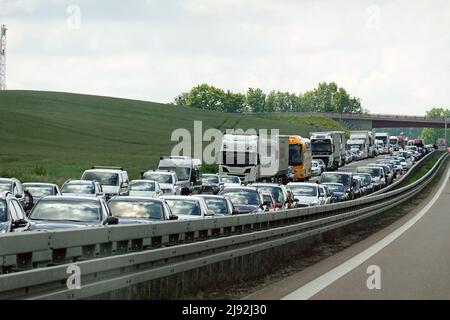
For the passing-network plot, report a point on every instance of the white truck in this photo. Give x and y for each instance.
(368, 145)
(188, 170)
(254, 157)
(383, 136)
(329, 147)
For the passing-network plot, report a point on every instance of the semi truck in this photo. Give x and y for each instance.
(300, 158)
(329, 147)
(254, 157)
(368, 147)
(384, 137)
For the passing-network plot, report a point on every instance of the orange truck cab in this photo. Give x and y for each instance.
(300, 157)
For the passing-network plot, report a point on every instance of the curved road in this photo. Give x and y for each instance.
(409, 259)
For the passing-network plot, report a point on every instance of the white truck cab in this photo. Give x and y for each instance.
(188, 170)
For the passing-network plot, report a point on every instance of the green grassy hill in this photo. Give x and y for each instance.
(49, 136)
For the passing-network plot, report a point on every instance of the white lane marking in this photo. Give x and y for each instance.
(320, 283)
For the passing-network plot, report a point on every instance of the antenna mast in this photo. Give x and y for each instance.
(3, 57)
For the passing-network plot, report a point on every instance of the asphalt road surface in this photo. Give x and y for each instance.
(410, 259)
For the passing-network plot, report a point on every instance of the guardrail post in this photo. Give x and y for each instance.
(24, 260)
(59, 255)
(88, 252)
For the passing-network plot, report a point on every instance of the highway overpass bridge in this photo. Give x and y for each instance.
(370, 121)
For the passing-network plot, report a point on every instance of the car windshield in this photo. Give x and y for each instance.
(303, 190)
(137, 209)
(267, 198)
(243, 197)
(183, 173)
(295, 154)
(5, 186)
(158, 177)
(142, 186)
(217, 205)
(3, 215)
(39, 191)
(335, 187)
(276, 193)
(336, 178)
(321, 146)
(229, 179)
(186, 207)
(210, 179)
(374, 172)
(105, 178)
(78, 188)
(67, 210)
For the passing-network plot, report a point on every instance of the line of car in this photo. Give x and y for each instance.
(105, 196)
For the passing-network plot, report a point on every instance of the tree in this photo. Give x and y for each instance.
(234, 102)
(430, 135)
(181, 99)
(206, 97)
(256, 99)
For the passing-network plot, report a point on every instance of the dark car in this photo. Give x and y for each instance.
(377, 174)
(14, 186)
(12, 215)
(220, 205)
(278, 192)
(211, 183)
(366, 181)
(66, 212)
(137, 210)
(245, 199)
(345, 178)
(337, 192)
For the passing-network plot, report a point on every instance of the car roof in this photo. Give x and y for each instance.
(7, 179)
(161, 172)
(79, 182)
(133, 198)
(143, 180)
(210, 174)
(105, 170)
(65, 197)
(182, 198)
(266, 185)
(39, 184)
(302, 184)
(339, 172)
(240, 188)
(332, 183)
(211, 196)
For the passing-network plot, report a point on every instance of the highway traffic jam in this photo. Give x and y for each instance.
(307, 174)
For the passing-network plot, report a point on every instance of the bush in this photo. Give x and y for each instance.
(39, 170)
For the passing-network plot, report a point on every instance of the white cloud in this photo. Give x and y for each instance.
(153, 50)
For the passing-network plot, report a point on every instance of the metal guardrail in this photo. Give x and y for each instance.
(116, 257)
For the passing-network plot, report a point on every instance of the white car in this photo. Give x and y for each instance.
(231, 181)
(167, 180)
(315, 168)
(308, 194)
(145, 188)
(39, 189)
(188, 207)
(114, 180)
(82, 188)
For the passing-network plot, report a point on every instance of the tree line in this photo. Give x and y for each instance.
(327, 97)
(430, 135)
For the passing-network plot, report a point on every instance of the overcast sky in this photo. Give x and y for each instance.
(394, 55)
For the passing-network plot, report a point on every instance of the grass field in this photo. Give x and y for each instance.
(49, 136)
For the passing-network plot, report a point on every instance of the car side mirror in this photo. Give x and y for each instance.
(267, 203)
(18, 196)
(209, 214)
(20, 223)
(124, 185)
(185, 191)
(173, 217)
(296, 200)
(111, 221)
